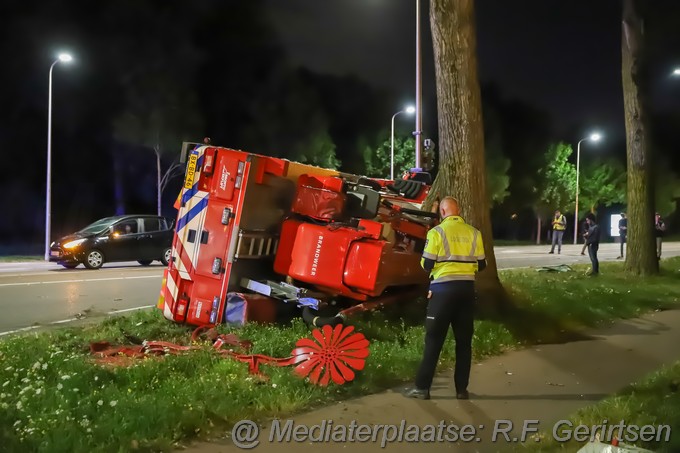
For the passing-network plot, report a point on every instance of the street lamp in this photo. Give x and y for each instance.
(62, 58)
(676, 72)
(410, 111)
(593, 138)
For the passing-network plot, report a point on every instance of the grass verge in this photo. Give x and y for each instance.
(652, 402)
(55, 399)
(20, 258)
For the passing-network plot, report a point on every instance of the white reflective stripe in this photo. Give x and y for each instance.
(481, 257)
(445, 242)
(429, 256)
(450, 278)
(463, 258)
(172, 287)
(474, 243)
(167, 312)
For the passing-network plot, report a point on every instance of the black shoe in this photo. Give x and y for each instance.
(417, 393)
(464, 395)
(550, 253)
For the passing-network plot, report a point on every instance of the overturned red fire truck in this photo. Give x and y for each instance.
(259, 239)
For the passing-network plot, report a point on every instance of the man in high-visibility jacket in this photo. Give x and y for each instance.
(559, 224)
(454, 253)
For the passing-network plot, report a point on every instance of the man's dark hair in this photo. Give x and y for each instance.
(591, 217)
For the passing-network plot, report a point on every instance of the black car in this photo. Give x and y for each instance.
(142, 238)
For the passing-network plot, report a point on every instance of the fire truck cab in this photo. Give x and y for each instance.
(258, 235)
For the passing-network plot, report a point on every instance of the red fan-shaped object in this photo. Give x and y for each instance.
(334, 353)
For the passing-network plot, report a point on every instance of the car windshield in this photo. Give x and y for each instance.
(99, 226)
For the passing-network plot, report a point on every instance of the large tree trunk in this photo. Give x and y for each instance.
(641, 257)
(462, 172)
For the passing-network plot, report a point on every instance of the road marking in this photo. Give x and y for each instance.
(64, 321)
(23, 329)
(80, 280)
(130, 309)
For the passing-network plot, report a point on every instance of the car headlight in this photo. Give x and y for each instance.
(73, 244)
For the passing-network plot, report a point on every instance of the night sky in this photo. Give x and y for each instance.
(563, 58)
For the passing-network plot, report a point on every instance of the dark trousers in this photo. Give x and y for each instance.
(452, 304)
(623, 241)
(592, 252)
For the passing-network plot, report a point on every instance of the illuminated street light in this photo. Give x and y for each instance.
(62, 58)
(409, 110)
(676, 72)
(594, 137)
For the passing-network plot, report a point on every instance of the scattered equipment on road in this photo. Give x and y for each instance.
(331, 355)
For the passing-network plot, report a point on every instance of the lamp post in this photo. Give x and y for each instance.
(408, 110)
(158, 181)
(676, 72)
(593, 137)
(63, 58)
(419, 114)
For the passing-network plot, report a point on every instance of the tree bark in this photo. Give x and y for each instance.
(462, 172)
(641, 257)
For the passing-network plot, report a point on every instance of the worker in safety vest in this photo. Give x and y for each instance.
(559, 224)
(454, 253)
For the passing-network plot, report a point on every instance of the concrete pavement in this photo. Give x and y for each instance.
(537, 255)
(532, 388)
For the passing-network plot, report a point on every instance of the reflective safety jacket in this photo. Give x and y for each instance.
(559, 223)
(456, 249)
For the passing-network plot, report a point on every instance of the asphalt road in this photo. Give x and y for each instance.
(37, 294)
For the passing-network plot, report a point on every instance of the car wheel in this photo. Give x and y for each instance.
(167, 255)
(70, 265)
(144, 262)
(94, 259)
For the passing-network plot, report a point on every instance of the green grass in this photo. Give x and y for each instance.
(20, 258)
(655, 401)
(55, 399)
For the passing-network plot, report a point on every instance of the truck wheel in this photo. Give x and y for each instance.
(167, 254)
(94, 259)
